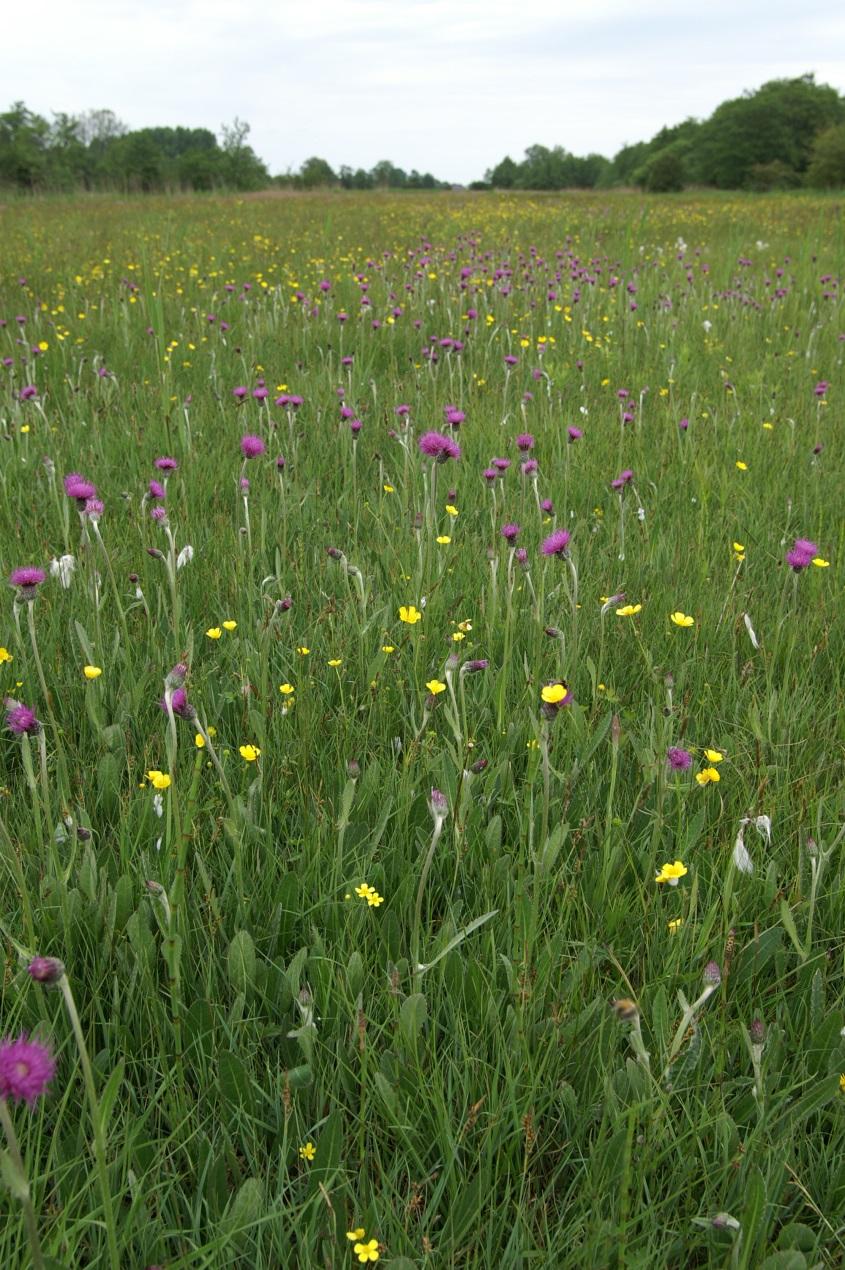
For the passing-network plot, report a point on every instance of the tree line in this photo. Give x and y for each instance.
(788, 133)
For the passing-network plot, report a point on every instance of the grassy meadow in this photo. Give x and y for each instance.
(426, 893)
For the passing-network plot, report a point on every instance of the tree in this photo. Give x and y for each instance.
(664, 173)
(826, 169)
(316, 172)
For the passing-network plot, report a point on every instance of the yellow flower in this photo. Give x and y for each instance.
(821, 563)
(334, 661)
(739, 551)
(92, 672)
(388, 648)
(363, 890)
(708, 776)
(553, 693)
(742, 467)
(366, 1252)
(842, 1082)
(303, 650)
(451, 509)
(212, 731)
(286, 689)
(675, 925)
(388, 489)
(465, 626)
(230, 625)
(158, 780)
(374, 899)
(672, 873)
(443, 539)
(249, 752)
(5, 655)
(408, 613)
(714, 756)
(356, 1234)
(628, 610)
(682, 619)
(307, 1152)
(457, 636)
(199, 741)
(434, 686)
(214, 632)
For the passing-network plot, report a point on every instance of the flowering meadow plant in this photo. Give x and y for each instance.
(422, 675)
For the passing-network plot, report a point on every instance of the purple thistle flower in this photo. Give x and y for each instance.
(622, 479)
(521, 556)
(77, 487)
(821, 388)
(678, 760)
(28, 392)
(556, 544)
(510, 360)
(94, 508)
(530, 467)
(355, 426)
(181, 707)
(525, 442)
(574, 434)
(489, 475)
(511, 532)
(165, 464)
(474, 666)
(240, 392)
(438, 447)
(27, 578)
(156, 490)
(683, 424)
(280, 463)
(801, 555)
(26, 1069)
(47, 970)
(547, 506)
(20, 719)
(501, 465)
(252, 446)
(402, 410)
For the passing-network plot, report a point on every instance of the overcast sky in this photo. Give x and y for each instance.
(446, 86)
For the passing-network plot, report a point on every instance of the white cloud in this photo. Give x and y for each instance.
(447, 86)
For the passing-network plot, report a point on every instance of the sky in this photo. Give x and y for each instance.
(444, 86)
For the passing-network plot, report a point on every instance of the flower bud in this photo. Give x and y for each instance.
(757, 1032)
(712, 974)
(46, 970)
(353, 769)
(479, 765)
(438, 805)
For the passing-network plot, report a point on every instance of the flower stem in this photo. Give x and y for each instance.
(23, 1194)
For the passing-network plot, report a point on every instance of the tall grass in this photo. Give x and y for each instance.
(521, 1049)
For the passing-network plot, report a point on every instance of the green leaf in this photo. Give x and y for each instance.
(458, 939)
(752, 1214)
(412, 1016)
(109, 1094)
(13, 1178)
(789, 926)
(240, 963)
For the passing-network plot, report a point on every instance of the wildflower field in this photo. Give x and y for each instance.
(421, 823)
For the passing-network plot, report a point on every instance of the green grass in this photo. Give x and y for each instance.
(237, 998)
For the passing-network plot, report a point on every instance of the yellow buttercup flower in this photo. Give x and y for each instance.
(821, 563)
(681, 619)
(443, 539)
(629, 610)
(388, 648)
(230, 625)
(92, 672)
(356, 1234)
(158, 780)
(675, 925)
(388, 489)
(709, 776)
(249, 752)
(672, 873)
(457, 636)
(451, 510)
(5, 655)
(553, 693)
(465, 626)
(408, 613)
(435, 686)
(366, 1251)
(334, 661)
(286, 689)
(307, 1152)
(714, 756)
(742, 467)
(303, 650)
(199, 741)
(214, 632)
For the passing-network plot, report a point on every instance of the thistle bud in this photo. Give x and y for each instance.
(176, 676)
(757, 1032)
(438, 805)
(46, 970)
(334, 553)
(353, 769)
(479, 765)
(712, 974)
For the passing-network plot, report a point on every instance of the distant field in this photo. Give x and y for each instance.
(433, 775)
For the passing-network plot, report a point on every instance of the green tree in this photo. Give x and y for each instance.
(315, 173)
(826, 169)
